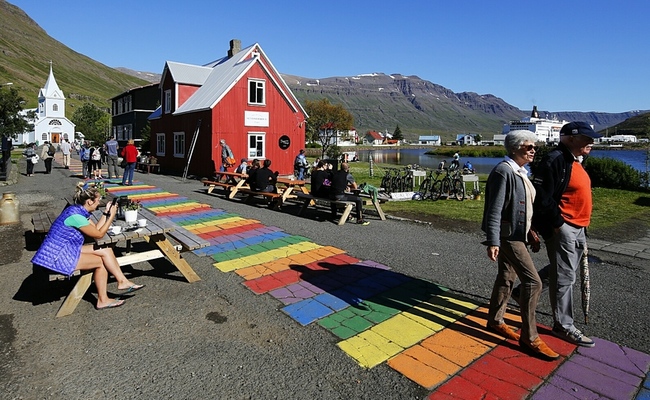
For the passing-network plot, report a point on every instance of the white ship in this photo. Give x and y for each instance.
(546, 129)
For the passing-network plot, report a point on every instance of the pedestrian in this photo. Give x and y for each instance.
(507, 215)
(47, 155)
(227, 156)
(562, 214)
(111, 158)
(63, 249)
(32, 158)
(342, 182)
(130, 154)
(95, 162)
(84, 156)
(65, 150)
(300, 164)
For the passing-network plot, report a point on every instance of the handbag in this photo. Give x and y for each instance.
(35, 159)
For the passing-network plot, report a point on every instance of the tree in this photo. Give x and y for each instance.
(12, 123)
(397, 134)
(145, 135)
(93, 122)
(325, 120)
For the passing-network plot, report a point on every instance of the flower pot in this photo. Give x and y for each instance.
(131, 216)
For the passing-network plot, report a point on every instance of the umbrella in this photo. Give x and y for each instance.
(584, 284)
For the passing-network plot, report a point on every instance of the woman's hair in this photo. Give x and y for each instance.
(130, 141)
(320, 164)
(267, 163)
(514, 139)
(81, 194)
(255, 163)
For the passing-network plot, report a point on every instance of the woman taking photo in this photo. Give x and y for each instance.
(64, 251)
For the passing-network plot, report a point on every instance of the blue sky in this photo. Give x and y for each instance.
(571, 55)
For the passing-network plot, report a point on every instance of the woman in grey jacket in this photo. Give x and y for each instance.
(509, 196)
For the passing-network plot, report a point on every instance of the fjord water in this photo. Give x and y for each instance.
(483, 165)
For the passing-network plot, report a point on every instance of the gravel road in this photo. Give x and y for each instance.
(216, 339)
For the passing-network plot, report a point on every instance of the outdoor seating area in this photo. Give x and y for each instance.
(148, 168)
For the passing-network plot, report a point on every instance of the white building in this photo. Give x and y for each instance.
(621, 139)
(430, 140)
(546, 129)
(50, 124)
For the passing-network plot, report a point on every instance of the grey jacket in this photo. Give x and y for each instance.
(504, 214)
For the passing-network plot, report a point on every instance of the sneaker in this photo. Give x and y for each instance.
(574, 336)
(504, 330)
(363, 222)
(538, 348)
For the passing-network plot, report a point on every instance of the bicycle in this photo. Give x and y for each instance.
(451, 185)
(427, 184)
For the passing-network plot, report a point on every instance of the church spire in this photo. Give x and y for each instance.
(51, 89)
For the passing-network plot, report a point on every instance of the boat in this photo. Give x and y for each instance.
(546, 129)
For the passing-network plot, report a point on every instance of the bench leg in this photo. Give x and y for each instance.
(346, 213)
(77, 293)
(174, 256)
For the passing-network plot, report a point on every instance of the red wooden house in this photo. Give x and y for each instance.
(240, 98)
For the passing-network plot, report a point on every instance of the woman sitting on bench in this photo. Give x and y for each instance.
(63, 250)
(265, 179)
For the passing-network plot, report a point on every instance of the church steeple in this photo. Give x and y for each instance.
(51, 101)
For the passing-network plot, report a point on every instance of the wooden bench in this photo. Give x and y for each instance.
(275, 199)
(148, 167)
(42, 222)
(307, 199)
(228, 186)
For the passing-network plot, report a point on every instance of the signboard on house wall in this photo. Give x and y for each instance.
(256, 118)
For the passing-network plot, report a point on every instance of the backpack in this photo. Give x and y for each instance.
(97, 155)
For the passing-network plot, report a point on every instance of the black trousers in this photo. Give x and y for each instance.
(48, 165)
(358, 204)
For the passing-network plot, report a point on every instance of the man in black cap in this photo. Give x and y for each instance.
(561, 213)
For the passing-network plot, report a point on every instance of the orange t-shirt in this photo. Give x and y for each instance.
(575, 204)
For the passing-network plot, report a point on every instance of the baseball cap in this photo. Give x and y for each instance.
(222, 141)
(579, 128)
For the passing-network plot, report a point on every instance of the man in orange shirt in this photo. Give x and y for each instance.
(561, 213)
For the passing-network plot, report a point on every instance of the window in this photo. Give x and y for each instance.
(160, 144)
(179, 144)
(127, 104)
(256, 145)
(168, 101)
(120, 106)
(55, 107)
(256, 92)
(44, 137)
(125, 132)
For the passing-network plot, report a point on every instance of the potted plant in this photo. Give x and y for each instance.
(131, 208)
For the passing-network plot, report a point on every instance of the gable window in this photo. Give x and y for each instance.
(55, 107)
(256, 145)
(256, 93)
(160, 144)
(179, 144)
(168, 101)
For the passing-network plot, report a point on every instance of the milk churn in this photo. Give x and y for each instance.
(9, 209)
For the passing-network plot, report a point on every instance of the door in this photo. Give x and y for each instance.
(56, 138)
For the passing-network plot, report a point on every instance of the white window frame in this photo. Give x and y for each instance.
(255, 85)
(259, 138)
(179, 144)
(160, 144)
(168, 101)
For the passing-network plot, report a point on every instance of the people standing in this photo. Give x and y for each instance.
(47, 155)
(95, 162)
(300, 164)
(130, 154)
(227, 156)
(84, 156)
(66, 148)
(562, 214)
(507, 216)
(32, 158)
(342, 181)
(111, 158)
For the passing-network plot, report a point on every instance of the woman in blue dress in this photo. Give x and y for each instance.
(64, 251)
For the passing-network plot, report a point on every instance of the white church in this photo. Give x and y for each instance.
(50, 123)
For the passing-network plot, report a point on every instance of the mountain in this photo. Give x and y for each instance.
(377, 101)
(381, 102)
(25, 54)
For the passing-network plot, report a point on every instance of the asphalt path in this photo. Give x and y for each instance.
(216, 339)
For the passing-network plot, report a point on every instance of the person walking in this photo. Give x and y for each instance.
(66, 148)
(32, 158)
(507, 215)
(130, 154)
(300, 164)
(84, 156)
(342, 181)
(227, 156)
(562, 212)
(95, 162)
(111, 158)
(47, 155)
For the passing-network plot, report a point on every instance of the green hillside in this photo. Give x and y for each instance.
(25, 54)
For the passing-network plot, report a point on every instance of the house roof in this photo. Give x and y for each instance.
(434, 138)
(375, 135)
(218, 77)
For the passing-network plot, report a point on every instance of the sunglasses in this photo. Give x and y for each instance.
(529, 147)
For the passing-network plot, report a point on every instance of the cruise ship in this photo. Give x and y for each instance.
(547, 130)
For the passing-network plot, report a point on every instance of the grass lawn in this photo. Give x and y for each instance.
(617, 214)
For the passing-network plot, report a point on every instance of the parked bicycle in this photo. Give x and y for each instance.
(450, 186)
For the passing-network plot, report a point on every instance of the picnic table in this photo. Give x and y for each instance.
(158, 232)
(229, 181)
